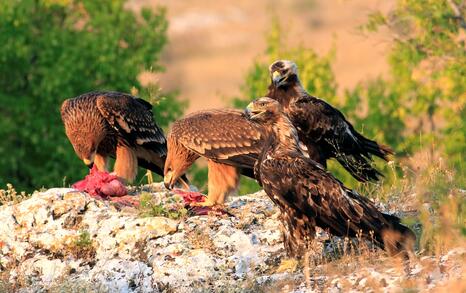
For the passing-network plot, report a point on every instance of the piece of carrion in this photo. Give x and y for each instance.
(101, 184)
(191, 198)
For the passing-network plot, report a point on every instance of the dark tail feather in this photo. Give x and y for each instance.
(150, 166)
(355, 156)
(359, 167)
(397, 238)
(373, 148)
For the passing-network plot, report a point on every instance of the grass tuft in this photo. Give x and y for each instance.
(11, 196)
(171, 207)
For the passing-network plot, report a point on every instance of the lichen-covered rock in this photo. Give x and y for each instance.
(118, 275)
(64, 240)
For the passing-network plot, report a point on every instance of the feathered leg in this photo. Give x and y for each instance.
(223, 180)
(101, 163)
(126, 163)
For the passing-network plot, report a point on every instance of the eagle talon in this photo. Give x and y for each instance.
(287, 265)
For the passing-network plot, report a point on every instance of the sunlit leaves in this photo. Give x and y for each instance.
(55, 49)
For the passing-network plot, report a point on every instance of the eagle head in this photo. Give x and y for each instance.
(263, 110)
(283, 72)
(86, 152)
(85, 147)
(171, 174)
(178, 161)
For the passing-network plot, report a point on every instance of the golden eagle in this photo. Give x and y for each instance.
(111, 124)
(321, 127)
(225, 137)
(309, 196)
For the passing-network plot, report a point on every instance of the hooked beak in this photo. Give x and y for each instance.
(251, 112)
(88, 163)
(276, 78)
(169, 182)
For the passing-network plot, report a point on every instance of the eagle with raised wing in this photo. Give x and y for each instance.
(309, 196)
(100, 125)
(225, 137)
(323, 128)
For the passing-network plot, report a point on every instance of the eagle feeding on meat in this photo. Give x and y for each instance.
(225, 137)
(100, 125)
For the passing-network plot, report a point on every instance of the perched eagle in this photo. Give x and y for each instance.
(221, 134)
(110, 124)
(321, 127)
(229, 141)
(309, 196)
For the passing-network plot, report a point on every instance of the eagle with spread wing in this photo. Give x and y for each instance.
(100, 125)
(225, 137)
(323, 128)
(309, 196)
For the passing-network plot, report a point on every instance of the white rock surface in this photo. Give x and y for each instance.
(65, 240)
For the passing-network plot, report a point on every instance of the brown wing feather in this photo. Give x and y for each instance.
(304, 190)
(340, 209)
(223, 135)
(133, 120)
(320, 123)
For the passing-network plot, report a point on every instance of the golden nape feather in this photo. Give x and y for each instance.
(111, 124)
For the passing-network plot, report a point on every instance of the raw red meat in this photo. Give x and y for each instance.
(101, 184)
(190, 197)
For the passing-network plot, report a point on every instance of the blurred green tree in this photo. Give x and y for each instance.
(56, 49)
(428, 76)
(419, 106)
(315, 73)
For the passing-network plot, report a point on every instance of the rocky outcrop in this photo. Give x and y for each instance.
(63, 239)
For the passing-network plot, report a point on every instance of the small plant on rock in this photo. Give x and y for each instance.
(83, 246)
(10, 195)
(156, 206)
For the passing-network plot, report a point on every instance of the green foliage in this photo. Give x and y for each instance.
(84, 240)
(420, 106)
(172, 207)
(248, 185)
(82, 247)
(428, 75)
(56, 49)
(443, 210)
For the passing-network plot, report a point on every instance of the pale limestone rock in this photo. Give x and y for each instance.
(118, 275)
(122, 252)
(47, 271)
(76, 201)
